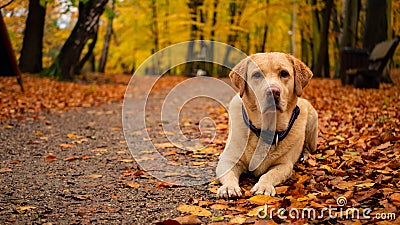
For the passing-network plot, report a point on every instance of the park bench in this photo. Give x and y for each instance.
(364, 70)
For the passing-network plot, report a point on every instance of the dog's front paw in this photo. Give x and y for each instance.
(263, 189)
(229, 191)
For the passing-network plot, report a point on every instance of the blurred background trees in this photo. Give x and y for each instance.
(68, 37)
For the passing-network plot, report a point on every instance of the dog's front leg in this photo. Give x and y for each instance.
(274, 176)
(230, 181)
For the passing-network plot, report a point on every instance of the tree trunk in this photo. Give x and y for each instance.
(293, 30)
(322, 67)
(305, 56)
(193, 6)
(68, 58)
(167, 33)
(154, 25)
(336, 48)
(107, 39)
(316, 36)
(376, 26)
(89, 54)
(235, 13)
(30, 60)
(8, 62)
(350, 24)
(212, 34)
(264, 40)
(265, 33)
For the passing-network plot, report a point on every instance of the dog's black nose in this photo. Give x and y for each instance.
(274, 91)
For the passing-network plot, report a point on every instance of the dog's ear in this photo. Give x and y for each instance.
(302, 74)
(238, 76)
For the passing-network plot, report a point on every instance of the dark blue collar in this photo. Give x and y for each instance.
(271, 137)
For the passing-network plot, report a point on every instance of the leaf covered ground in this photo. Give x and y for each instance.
(64, 158)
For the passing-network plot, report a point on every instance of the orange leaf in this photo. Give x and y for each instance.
(5, 170)
(162, 184)
(74, 157)
(67, 145)
(384, 146)
(132, 184)
(194, 210)
(263, 199)
(50, 158)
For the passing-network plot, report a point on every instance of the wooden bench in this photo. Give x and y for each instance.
(368, 75)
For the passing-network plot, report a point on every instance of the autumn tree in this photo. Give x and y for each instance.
(31, 54)
(376, 26)
(89, 55)
(322, 67)
(107, 37)
(64, 66)
(236, 9)
(193, 6)
(212, 33)
(351, 13)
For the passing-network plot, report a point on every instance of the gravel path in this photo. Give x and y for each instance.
(73, 167)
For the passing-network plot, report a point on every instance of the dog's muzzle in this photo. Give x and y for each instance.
(273, 95)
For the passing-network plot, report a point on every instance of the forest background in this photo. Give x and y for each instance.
(125, 32)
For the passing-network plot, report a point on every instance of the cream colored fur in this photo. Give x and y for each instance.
(277, 161)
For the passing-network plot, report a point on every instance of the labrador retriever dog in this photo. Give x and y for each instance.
(270, 125)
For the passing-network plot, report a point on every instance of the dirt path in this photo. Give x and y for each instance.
(74, 167)
(88, 189)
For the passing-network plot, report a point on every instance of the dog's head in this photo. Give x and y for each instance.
(274, 79)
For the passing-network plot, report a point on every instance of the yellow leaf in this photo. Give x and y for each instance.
(166, 145)
(132, 184)
(5, 170)
(213, 189)
(194, 210)
(238, 220)
(147, 151)
(346, 185)
(326, 167)
(100, 150)
(254, 211)
(219, 207)
(95, 176)
(22, 209)
(126, 160)
(303, 199)
(263, 199)
(67, 145)
(7, 127)
(38, 133)
(281, 189)
(384, 146)
(199, 163)
(73, 136)
(365, 185)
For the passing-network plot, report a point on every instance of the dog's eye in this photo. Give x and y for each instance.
(257, 75)
(284, 73)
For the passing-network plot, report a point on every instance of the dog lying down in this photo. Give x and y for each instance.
(270, 125)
